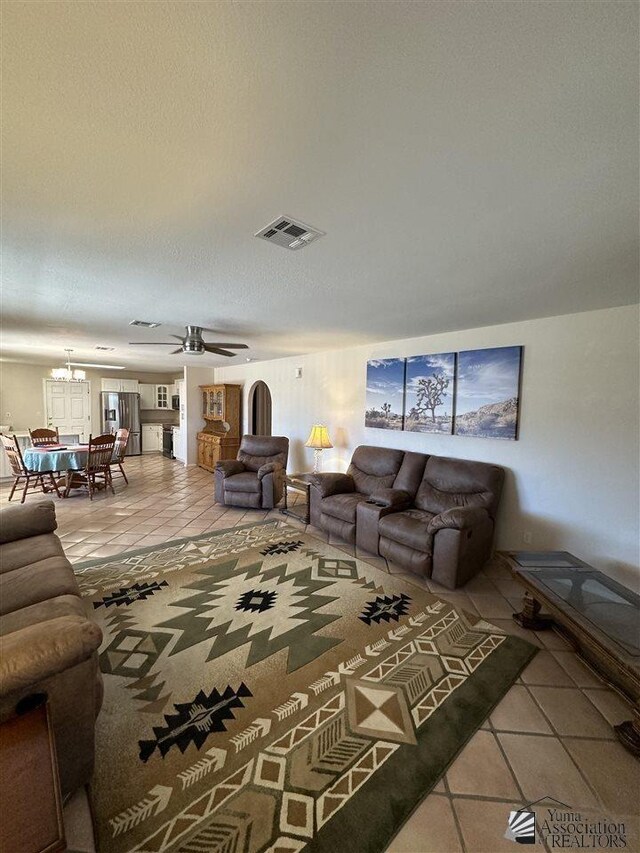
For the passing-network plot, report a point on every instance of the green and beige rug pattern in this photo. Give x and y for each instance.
(266, 692)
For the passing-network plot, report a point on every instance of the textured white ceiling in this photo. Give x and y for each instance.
(471, 163)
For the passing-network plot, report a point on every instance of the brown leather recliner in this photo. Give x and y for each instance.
(256, 478)
(334, 498)
(436, 517)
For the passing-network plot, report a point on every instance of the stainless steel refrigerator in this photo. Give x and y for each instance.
(122, 410)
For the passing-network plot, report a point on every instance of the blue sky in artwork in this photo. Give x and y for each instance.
(486, 376)
(385, 383)
(423, 367)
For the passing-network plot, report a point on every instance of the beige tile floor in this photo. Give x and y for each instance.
(550, 736)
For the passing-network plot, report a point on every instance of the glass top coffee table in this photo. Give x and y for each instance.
(600, 616)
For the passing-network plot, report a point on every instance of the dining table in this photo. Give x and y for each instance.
(67, 459)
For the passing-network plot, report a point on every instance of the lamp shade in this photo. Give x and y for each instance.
(318, 438)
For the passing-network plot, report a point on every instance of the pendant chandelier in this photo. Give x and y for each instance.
(66, 374)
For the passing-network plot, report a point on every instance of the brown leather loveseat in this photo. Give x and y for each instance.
(48, 646)
(430, 514)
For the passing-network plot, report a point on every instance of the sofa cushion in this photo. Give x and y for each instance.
(342, 506)
(37, 582)
(374, 468)
(409, 528)
(449, 483)
(22, 552)
(62, 605)
(246, 482)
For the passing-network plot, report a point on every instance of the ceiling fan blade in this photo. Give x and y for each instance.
(178, 337)
(151, 343)
(217, 350)
(175, 351)
(228, 346)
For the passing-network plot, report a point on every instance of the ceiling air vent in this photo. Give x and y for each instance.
(145, 324)
(105, 349)
(289, 233)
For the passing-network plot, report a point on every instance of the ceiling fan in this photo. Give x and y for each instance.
(193, 344)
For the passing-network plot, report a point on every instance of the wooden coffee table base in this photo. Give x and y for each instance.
(529, 615)
(628, 733)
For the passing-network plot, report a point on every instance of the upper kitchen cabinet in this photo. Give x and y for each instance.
(121, 385)
(147, 396)
(163, 396)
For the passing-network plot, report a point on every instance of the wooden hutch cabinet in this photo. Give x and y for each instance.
(220, 438)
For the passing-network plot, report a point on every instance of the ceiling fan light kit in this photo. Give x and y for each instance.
(193, 343)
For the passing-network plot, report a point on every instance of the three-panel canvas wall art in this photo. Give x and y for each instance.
(474, 393)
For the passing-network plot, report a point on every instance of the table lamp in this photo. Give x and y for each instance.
(319, 440)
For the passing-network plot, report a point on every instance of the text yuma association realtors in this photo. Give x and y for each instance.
(571, 830)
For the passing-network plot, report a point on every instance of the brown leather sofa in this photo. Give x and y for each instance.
(432, 515)
(47, 645)
(256, 477)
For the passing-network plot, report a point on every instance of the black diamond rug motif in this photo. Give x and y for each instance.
(385, 608)
(282, 548)
(129, 594)
(195, 721)
(256, 601)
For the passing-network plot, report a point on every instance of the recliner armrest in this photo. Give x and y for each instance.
(21, 522)
(332, 484)
(34, 653)
(394, 499)
(229, 467)
(458, 518)
(269, 468)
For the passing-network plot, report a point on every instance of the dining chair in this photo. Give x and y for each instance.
(97, 467)
(43, 436)
(122, 439)
(33, 480)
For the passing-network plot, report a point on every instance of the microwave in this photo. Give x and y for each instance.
(175, 401)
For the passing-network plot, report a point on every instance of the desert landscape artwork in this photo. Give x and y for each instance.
(385, 393)
(430, 393)
(488, 392)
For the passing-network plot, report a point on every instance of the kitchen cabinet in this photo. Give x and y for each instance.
(147, 396)
(129, 386)
(151, 438)
(178, 449)
(163, 396)
(155, 396)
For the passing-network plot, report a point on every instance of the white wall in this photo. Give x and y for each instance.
(193, 424)
(573, 475)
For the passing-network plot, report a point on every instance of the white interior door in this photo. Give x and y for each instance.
(68, 407)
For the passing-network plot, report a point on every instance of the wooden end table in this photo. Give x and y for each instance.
(599, 616)
(299, 483)
(29, 787)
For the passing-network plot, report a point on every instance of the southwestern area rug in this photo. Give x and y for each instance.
(266, 692)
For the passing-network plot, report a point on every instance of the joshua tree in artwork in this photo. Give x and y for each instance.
(431, 393)
(386, 408)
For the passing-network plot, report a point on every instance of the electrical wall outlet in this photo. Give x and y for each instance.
(527, 537)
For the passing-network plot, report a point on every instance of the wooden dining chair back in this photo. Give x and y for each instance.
(42, 436)
(34, 481)
(119, 449)
(97, 470)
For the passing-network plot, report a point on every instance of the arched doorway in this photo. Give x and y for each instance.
(260, 409)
